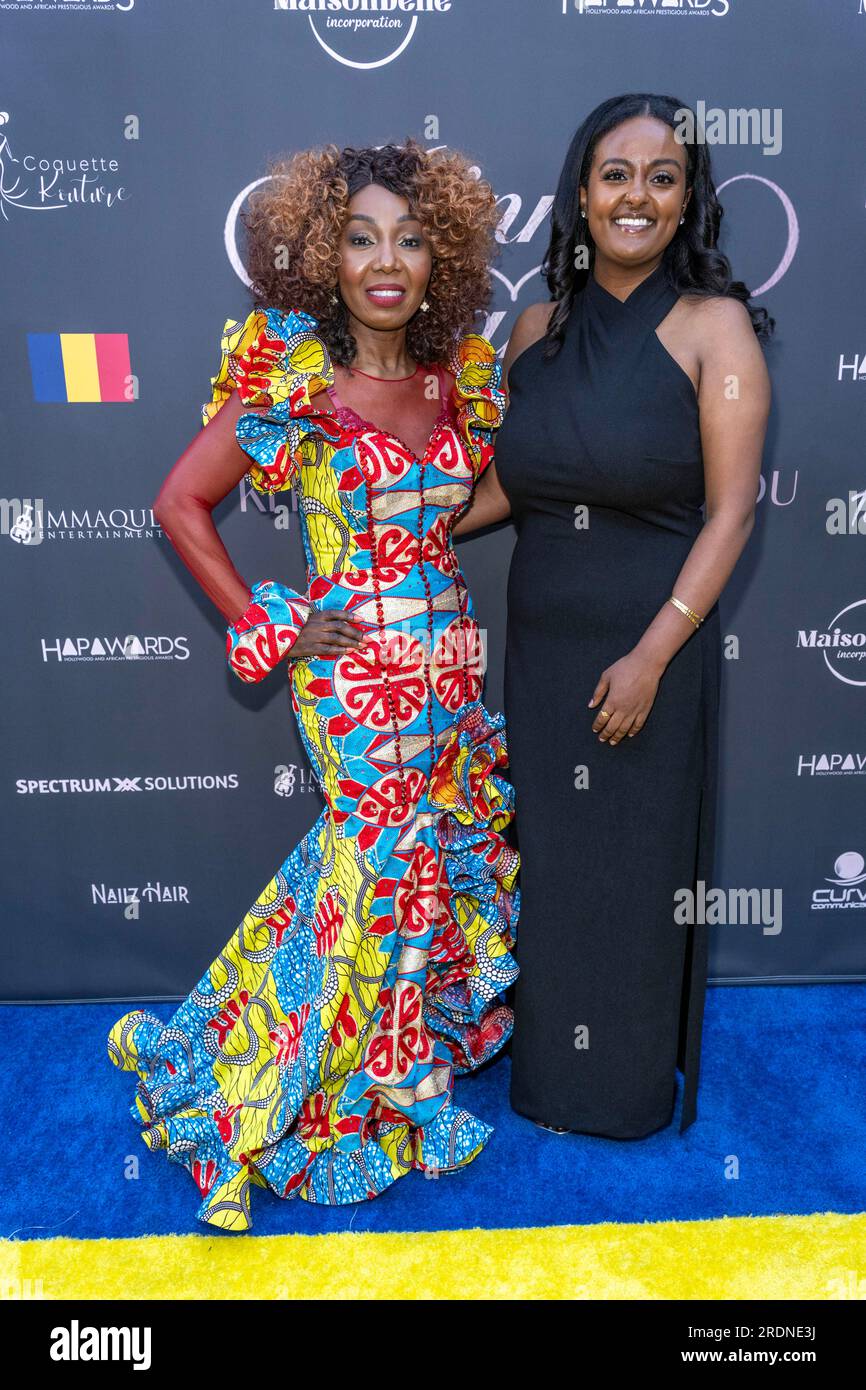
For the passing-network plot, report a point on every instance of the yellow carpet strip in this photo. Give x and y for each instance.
(762, 1257)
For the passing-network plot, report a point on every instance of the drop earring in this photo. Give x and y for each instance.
(424, 306)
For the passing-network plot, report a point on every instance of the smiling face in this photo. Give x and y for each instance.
(386, 259)
(635, 194)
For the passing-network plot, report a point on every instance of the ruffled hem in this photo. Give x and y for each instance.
(451, 920)
(193, 1136)
(475, 804)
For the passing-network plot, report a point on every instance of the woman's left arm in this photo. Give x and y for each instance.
(734, 404)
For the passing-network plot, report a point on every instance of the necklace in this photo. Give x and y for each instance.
(387, 378)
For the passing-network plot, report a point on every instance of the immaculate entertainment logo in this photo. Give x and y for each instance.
(842, 644)
(289, 778)
(364, 33)
(27, 521)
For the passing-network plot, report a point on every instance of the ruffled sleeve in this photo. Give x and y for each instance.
(480, 401)
(276, 360)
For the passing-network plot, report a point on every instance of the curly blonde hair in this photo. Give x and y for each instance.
(296, 218)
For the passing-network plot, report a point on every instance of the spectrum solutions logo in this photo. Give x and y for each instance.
(364, 33)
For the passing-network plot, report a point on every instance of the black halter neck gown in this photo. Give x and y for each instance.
(600, 455)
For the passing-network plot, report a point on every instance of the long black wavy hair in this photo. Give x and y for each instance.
(693, 262)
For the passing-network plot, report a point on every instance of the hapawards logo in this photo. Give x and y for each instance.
(831, 765)
(851, 368)
(717, 8)
(132, 647)
(848, 882)
(364, 33)
(843, 644)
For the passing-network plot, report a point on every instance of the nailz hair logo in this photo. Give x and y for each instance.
(364, 33)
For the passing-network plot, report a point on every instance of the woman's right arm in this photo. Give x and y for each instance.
(205, 473)
(489, 504)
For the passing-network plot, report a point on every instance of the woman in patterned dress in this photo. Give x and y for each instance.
(316, 1055)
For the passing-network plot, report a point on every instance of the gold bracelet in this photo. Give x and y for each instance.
(690, 613)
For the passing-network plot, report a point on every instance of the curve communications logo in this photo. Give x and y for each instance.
(364, 33)
(848, 880)
(843, 645)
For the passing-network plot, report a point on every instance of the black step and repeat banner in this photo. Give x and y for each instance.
(147, 795)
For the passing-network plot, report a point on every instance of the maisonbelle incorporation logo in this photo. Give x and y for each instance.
(365, 33)
(842, 644)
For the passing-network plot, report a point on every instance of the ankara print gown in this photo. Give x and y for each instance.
(316, 1056)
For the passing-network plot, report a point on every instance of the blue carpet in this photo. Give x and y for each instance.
(781, 1094)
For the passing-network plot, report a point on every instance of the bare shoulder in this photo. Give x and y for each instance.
(720, 333)
(715, 321)
(530, 325)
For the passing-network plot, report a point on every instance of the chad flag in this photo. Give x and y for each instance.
(80, 366)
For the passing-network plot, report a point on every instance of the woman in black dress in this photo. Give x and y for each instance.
(637, 395)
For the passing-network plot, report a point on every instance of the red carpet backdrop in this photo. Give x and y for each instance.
(146, 794)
